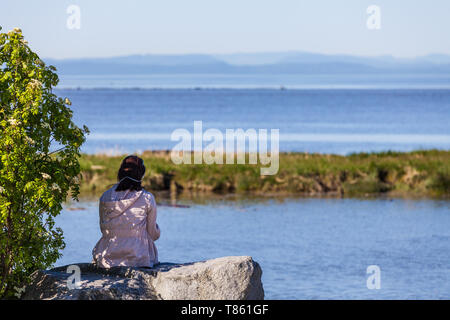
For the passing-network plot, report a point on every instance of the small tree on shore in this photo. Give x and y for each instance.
(39, 150)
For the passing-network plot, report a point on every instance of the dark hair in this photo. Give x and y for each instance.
(131, 167)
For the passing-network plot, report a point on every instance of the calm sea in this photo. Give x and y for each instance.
(307, 248)
(337, 121)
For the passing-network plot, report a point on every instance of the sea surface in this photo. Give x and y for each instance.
(307, 248)
(259, 80)
(339, 121)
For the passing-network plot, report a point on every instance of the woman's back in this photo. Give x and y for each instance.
(129, 229)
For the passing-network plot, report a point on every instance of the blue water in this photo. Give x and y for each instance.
(339, 121)
(252, 81)
(307, 248)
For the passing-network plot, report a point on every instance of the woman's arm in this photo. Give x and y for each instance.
(100, 217)
(152, 227)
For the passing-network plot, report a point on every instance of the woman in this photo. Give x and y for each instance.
(127, 221)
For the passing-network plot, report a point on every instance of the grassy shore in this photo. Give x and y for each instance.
(419, 173)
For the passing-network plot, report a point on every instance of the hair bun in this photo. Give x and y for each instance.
(134, 168)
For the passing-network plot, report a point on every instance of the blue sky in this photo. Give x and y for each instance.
(110, 28)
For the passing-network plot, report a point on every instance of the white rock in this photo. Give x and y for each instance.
(227, 278)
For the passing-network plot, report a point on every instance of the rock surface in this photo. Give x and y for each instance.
(233, 278)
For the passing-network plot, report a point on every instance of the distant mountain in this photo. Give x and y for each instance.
(255, 63)
(160, 60)
(260, 58)
(436, 58)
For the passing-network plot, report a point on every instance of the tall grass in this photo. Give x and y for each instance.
(425, 173)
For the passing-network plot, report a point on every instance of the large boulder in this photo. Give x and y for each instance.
(234, 278)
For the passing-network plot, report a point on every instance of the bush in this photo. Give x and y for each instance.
(34, 180)
(440, 183)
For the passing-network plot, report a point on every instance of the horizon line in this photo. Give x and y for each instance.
(252, 52)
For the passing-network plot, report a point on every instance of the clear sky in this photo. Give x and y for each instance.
(110, 28)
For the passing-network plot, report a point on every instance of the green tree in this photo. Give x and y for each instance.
(39, 152)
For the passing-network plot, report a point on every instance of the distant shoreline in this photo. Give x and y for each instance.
(257, 88)
(398, 174)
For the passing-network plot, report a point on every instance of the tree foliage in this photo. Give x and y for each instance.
(39, 151)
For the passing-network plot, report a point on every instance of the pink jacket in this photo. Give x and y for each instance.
(129, 229)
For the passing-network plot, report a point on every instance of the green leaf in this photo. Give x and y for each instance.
(30, 116)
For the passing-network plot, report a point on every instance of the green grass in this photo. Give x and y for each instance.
(424, 173)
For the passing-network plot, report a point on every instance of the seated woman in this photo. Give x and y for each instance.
(127, 221)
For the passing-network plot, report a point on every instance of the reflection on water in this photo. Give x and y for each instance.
(307, 248)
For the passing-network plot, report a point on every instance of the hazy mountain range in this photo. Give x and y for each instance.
(271, 62)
